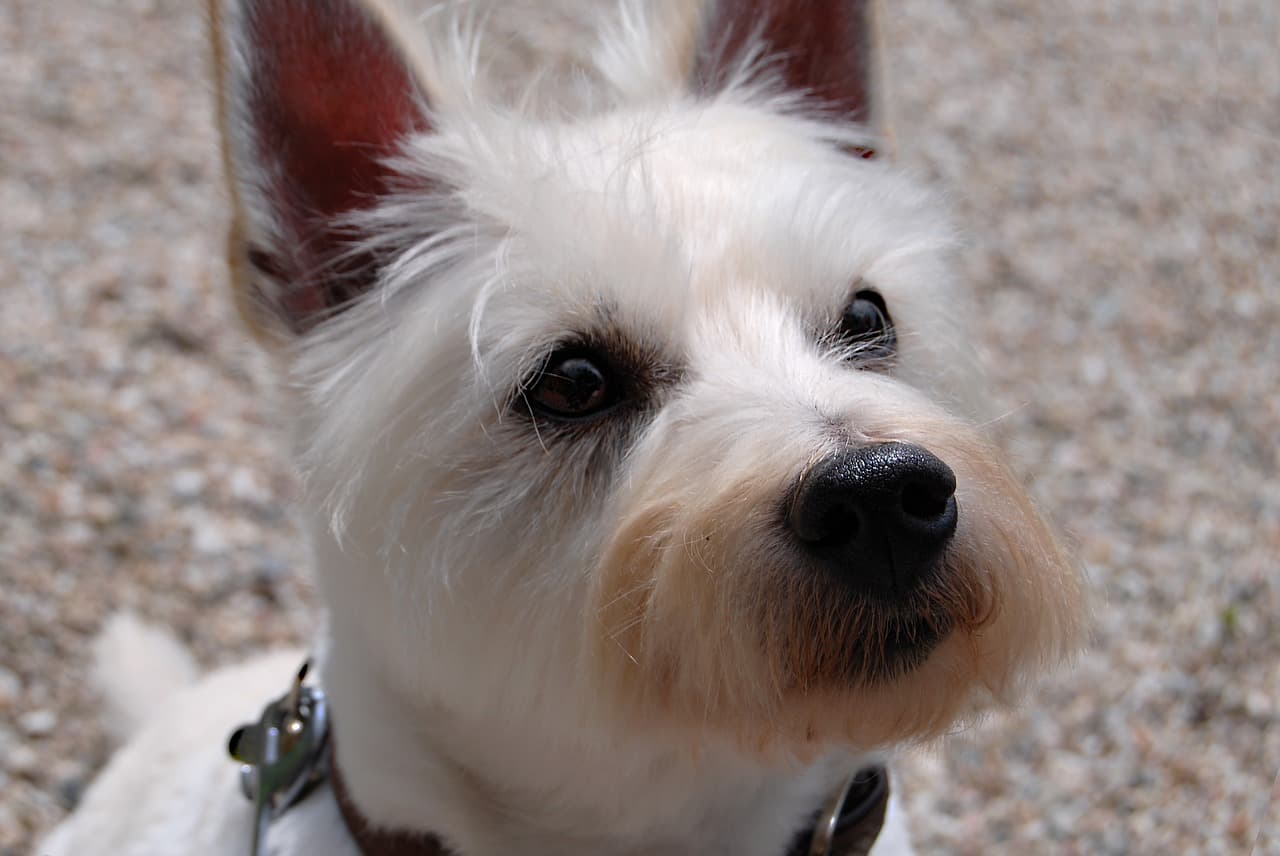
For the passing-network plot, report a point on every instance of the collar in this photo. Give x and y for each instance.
(847, 826)
(290, 750)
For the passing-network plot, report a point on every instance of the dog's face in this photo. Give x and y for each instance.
(661, 414)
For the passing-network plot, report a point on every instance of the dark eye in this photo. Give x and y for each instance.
(574, 384)
(867, 326)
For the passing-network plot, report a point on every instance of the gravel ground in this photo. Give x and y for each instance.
(1118, 165)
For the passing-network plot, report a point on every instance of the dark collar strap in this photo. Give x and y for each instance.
(856, 830)
(371, 841)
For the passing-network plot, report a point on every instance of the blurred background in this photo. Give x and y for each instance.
(1117, 166)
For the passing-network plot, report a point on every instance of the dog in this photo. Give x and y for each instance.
(642, 449)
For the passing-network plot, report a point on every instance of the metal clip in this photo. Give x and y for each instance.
(282, 755)
(824, 831)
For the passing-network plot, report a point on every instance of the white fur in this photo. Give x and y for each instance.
(136, 669)
(465, 558)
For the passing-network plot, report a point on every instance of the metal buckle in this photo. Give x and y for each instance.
(282, 755)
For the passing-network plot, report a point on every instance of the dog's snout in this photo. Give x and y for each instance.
(878, 516)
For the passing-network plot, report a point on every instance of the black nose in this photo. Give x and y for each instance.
(877, 516)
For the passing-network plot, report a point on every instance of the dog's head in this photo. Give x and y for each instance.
(627, 379)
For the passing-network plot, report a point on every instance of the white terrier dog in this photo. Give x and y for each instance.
(641, 449)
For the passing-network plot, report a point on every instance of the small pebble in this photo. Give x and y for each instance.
(209, 538)
(22, 760)
(187, 484)
(10, 688)
(38, 723)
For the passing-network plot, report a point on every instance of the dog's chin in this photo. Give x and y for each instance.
(889, 634)
(905, 646)
(844, 638)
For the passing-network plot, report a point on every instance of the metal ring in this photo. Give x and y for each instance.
(824, 831)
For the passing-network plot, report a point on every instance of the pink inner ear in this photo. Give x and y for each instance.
(824, 48)
(331, 97)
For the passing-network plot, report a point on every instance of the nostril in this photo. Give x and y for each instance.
(825, 519)
(840, 525)
(925, 501)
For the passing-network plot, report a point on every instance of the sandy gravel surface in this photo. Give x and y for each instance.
(1118, 165)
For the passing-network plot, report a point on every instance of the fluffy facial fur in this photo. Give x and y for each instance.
(646, 542)
(598, 636)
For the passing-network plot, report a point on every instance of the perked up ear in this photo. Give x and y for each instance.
(313, 96)
(824, 50)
